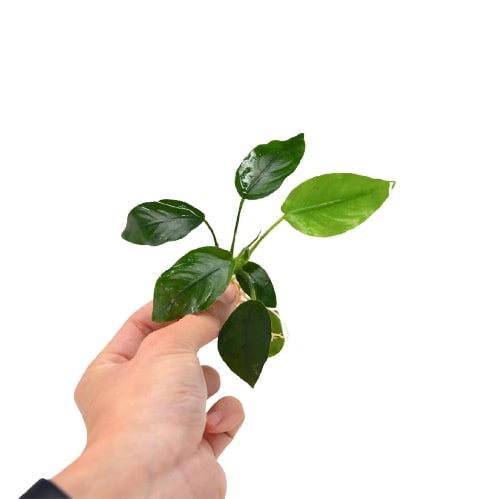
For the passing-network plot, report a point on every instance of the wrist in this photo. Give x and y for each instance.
(107, 473)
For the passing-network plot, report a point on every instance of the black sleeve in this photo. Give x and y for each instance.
(44, 489)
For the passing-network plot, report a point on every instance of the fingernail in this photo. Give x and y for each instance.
(229, 296)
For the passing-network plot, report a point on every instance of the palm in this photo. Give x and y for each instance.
(146, 395)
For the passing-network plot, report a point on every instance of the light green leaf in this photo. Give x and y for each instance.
(277, 341)
(333, 203)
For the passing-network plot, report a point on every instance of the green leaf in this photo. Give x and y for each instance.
(266, 167)
(157, 222)
(244, 340)
(333, 203)
(192, 284)
(277, 339)
(254, 276)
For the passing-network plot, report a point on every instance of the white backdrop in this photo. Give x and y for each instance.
(388, 385)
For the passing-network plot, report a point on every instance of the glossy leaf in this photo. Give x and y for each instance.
(244, 340)
(260, 281)
(192, 284)
(266, 167)
(157, 222)
(277, 340)
(333, 203)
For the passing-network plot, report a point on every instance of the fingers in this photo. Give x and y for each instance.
(224, 304)
(128, 339)
(222, 423)
(212, 380)
(198, 329)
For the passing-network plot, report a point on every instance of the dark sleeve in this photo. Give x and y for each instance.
(44, 489)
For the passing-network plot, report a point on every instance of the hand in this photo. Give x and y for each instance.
(143, 400)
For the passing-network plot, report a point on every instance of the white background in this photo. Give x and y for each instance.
(388, 384)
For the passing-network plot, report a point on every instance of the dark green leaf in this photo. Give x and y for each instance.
(266, 167)
(244, 340)
(333, 203)
(260, 281)
(192, 284)
(158, 222)
(277, 340)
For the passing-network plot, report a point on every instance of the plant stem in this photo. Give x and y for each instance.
(237, 225)
(264, 235)
(212, 233)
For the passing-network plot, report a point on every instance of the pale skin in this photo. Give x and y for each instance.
(143, 401)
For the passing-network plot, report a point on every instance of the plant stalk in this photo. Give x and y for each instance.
(236, 226)
(212, 233)
(264, 235)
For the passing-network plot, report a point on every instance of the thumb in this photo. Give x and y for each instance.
(195, 330)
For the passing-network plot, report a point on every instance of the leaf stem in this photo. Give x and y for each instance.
(212, 233)
(236, 226)
(264, 235)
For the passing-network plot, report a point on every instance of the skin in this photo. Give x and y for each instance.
(143, 401)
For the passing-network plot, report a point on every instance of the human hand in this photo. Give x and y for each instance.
(143, 401)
